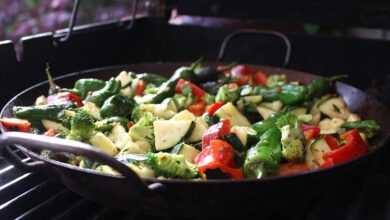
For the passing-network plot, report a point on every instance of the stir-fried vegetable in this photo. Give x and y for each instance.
(203, 122)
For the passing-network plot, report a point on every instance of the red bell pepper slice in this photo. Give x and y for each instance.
(218, 155)
(286, 169)
(198, 108)
(260, 78)
(216, 131)
(64, 97)
(310, 131)
(354, 147)
(332, 142)
(214, 107)
(20, 124)
(196, 90)
(140, 88)
(327, 163)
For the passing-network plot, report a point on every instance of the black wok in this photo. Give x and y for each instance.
(204, 198)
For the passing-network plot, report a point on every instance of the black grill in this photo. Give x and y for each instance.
(42, 196)
(33, 196)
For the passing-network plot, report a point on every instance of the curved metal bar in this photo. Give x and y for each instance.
(40, 142)
(231, 36)
(72, 21)
(133, 14)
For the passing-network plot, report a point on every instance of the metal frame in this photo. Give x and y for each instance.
(73, 19)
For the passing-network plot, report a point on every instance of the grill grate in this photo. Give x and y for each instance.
(32, 196)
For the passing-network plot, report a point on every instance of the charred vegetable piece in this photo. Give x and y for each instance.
(84, 86)
(98, 97)
(263, 159)
(117, 105)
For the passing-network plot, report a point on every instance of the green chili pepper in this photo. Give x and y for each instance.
(262, 126)
(84, 86)
(34, 114)
(117, 105)
(320, 87)
(111, 87)
(268, 94)
(317, 88)
(368, 127)
(291, 94)
(264, 158)
(167, 89)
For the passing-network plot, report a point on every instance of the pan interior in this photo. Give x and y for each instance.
(357, 100)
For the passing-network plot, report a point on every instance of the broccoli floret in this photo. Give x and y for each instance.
(81, 126)
(171, 165)
(182, 101)
(143, 129)
(292, 143)
(227, 93)
(287, 119)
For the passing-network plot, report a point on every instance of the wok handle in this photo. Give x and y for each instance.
(41, 142)
(228, 39)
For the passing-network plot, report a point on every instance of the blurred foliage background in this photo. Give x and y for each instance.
(24, 17)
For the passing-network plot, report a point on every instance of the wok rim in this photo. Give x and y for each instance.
(264, 180)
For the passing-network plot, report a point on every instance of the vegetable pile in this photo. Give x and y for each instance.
(202, 123)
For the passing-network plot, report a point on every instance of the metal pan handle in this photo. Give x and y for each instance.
(229, 38)
(40, 142)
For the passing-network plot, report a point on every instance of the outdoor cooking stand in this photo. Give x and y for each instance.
(27, 195)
